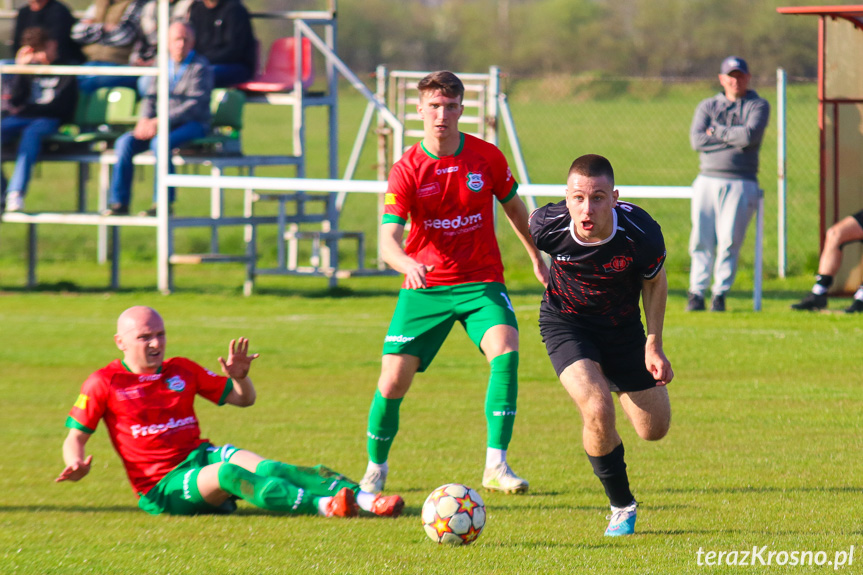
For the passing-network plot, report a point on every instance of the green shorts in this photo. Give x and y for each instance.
(424, 317)
(177, 493)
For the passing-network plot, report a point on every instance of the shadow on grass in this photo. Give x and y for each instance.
(742, 295)
(64, 287)
(68, 509)
(761, 489)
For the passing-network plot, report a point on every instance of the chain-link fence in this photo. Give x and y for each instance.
(642, 126)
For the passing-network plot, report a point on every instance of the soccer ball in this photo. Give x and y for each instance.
(453, 514)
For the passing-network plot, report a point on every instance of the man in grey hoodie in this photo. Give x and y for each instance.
(727, 130)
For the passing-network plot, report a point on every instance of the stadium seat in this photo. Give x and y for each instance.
(226, 107)
(100, 116)
(279, 73)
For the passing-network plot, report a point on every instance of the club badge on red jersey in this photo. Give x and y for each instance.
(474, 181)
(176, 383)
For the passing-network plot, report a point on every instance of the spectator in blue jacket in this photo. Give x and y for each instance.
(191, 83)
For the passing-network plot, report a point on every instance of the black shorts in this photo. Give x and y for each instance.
(618, 350)
(859, 217)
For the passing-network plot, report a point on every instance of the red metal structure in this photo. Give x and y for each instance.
(840, 123)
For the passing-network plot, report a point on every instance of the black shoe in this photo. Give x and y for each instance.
(855, 307)
(116, 210)
(811, 302)
(718, 302)
(696, 302)
(153, 211)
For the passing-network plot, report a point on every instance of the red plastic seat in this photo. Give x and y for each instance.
(280, 72)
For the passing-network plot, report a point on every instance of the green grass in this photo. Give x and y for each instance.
(764, 447)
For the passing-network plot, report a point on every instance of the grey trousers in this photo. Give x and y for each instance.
(721, 210)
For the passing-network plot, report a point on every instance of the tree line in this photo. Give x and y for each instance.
(646, 38)
(649, 38)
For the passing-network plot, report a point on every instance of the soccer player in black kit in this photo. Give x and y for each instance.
(605, 254)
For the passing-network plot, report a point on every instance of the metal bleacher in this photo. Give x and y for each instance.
(215, 155)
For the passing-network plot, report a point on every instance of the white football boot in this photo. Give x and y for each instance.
(502, 478)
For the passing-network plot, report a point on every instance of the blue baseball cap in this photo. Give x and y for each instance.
(733, 63)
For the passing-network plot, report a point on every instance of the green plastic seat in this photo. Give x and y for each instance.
(226, 107)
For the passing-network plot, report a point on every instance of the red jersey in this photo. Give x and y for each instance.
(450, 201)
(150, 418)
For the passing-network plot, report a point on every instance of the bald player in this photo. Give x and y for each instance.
(147, 403)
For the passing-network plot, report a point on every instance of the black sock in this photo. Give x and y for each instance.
(611, 470)
(824, 281)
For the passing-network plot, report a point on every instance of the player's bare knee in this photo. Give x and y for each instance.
(598, 419)
(655, 431)
(833, 238)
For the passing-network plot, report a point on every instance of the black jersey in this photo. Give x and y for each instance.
(598, 284)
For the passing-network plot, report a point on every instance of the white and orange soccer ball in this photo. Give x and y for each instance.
(453, 514)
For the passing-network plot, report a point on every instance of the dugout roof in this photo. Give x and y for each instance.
(840, 123)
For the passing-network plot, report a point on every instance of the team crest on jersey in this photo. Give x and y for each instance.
(176, 383)
(474, 181)
(617, 264)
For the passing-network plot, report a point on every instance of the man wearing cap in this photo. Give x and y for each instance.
(726, 131)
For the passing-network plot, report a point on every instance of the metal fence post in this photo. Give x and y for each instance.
(781, 165)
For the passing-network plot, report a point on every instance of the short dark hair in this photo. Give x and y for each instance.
(36, 37)
(443, 81)
(592, 166)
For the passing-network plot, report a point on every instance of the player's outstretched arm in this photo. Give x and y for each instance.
(394, 255)
(237, 368)
(655, 294)
(516, 213)
(77, 465)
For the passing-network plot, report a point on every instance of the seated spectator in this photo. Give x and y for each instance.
(224, 35)
(848, 229)
(144, 49)
(37, 107)
(191, 83)
(57, 19)
(106, 34)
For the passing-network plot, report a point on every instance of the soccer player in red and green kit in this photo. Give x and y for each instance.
(147, 403)
(446, 185)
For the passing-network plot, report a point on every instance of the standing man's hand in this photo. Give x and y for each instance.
(239, 361)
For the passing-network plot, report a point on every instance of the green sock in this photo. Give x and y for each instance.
(383, 426)
(318, 480)
(271, 493)
(500, 399)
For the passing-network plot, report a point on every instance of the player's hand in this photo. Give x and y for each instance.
(239, 361)
(540, 270)
(658, 365)
(76, 471)
(415, 277)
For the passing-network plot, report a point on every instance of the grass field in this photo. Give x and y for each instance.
(764, 447)
(763, 451)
